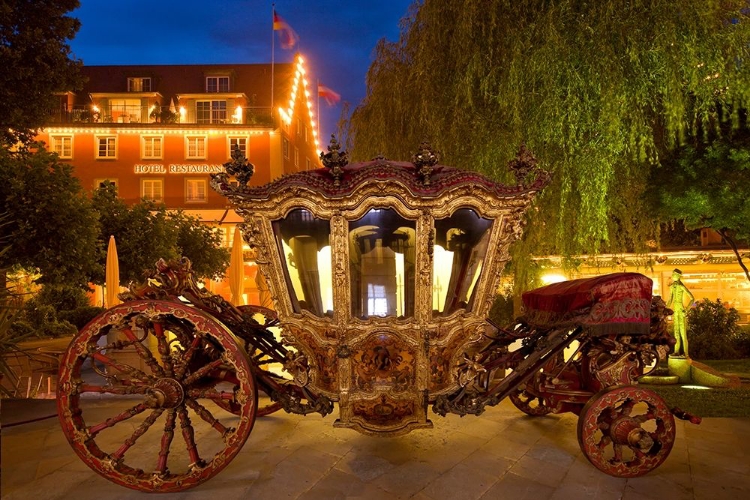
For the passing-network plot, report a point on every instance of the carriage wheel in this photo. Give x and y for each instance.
(151, 367)
(267, 319)
(529, 403)
(626, 431)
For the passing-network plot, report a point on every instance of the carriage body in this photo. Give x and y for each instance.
(382, 276)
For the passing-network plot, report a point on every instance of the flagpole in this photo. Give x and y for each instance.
(273, 50)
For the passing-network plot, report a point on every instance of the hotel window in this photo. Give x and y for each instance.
(99, 183)
(152, 189)
(238, 142)
(296, 156)
(306, 132)
(142, 84)
(125, 110)
(106, 147)
(307, 163)
(195, 147)
(196, 190)
(139, 84)
(211, 111)
(62, 145)
(285, 147)
(217, 84)
(151, 147)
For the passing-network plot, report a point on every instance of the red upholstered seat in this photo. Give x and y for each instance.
(618, 303)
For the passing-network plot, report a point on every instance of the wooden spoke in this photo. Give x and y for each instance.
(112, 421)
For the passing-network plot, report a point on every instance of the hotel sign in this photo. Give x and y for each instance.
(177, 168)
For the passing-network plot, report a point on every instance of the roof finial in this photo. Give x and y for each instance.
(424, 159)
(335, 160)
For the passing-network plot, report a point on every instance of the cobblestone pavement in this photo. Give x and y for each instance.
(501, 454)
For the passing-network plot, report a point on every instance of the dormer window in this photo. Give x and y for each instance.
(217, 84)
(141, 84)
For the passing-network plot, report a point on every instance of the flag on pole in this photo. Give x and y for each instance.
(287, 36)
(329, 95)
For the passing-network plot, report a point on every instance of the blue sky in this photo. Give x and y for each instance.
(337, 37)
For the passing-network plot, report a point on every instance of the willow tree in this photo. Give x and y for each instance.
(599, 90)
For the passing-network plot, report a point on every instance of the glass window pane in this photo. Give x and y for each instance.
(382, 253)
(304, 243)
(460, 246)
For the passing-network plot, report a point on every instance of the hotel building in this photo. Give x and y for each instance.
(158, 131)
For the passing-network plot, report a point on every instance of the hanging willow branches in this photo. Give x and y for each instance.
(598, 89)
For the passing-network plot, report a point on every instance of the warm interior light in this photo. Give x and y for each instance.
(548, 279)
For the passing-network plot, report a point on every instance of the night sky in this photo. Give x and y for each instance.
(336, 37)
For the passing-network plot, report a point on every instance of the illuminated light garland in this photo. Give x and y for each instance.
(102, 130)
(286, 114)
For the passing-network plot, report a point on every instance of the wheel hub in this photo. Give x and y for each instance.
(166, 393)
(627, 431)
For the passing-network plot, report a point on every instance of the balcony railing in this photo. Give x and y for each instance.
(253, 116)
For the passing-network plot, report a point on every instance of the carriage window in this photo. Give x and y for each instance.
(382, 249)
(304, 244)
(460, 246)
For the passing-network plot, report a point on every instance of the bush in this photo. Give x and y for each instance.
(742, 342)
(37, 314)
(62, 298)
(501, 312)
(713, 330)
(81, 316)
(59, 329)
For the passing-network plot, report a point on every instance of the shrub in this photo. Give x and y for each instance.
(501, 312)
(713, 330)
(59, 329)
(62, 298)
(81, 316)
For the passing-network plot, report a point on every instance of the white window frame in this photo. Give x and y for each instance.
(230, 144)
(217, 79)
(216, 113)
(138, 84)
(296, 156)
(101, 180)
(98, 143)
(196, 155)
(199, 184)
(152, 182)
(285, 147)
(58, 145)
(151, 138)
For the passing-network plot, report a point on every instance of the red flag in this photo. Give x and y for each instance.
(329, 95)
(287, 36)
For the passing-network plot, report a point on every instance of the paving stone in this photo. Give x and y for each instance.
(514, 487)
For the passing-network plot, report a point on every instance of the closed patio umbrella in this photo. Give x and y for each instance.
(236, 269)
(112, 270)
(172, 108)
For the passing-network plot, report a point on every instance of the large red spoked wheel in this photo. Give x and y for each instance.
(626, 431)
(139, 401)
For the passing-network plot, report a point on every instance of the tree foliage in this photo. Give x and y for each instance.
(51, 225)
(597, 89)
(36, 63)
(146, 232)
(707, 184)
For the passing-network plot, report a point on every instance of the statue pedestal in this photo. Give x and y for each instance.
(689, 371)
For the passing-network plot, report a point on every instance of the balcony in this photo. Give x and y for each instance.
(160, 115)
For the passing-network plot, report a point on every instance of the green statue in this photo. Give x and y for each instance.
(677, 291)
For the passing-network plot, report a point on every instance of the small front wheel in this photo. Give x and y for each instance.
(626, 431)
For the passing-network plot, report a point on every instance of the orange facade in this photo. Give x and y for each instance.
(158, 132)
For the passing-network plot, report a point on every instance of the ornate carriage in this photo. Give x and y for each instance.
(383, 274)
